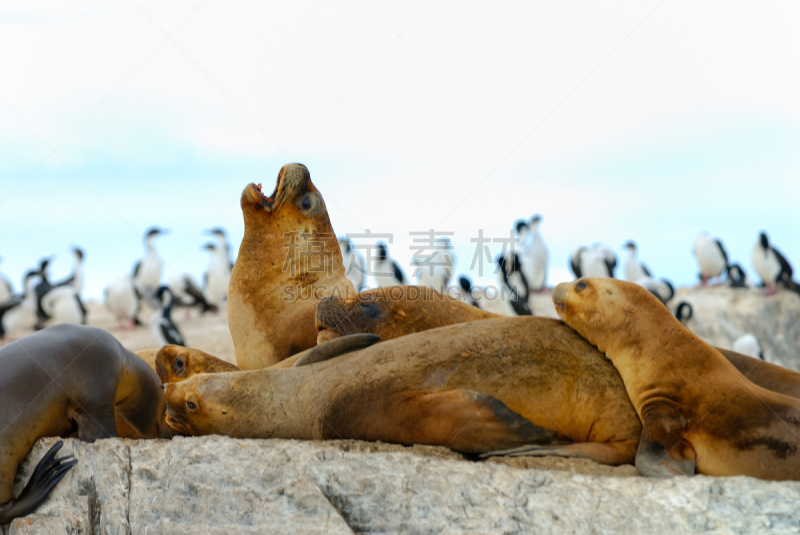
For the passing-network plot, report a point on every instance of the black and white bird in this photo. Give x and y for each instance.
(217, 275)
(683, 312)
(772, 266)
(355, 267)
(19, 311)
(147, 271)
(387, 271)
(436, 269)
(711, 257)
(513, 284)
(42, 287)
(161, 324)
(63, 304)
(748, 344)
(634, 268)
(737, 278)
(186, 293)
(123, 299)
(534, 255)
(595, 261)
(6, 290)
(662, 288)
(223, 245)
(61, 301)
(466, 291)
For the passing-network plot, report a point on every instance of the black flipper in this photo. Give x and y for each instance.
(337, 346)
(45, 477)
(666, 456)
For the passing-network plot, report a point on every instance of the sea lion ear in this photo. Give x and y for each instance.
(337, 346)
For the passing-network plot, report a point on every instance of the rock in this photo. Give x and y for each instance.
(721, 315)
(223, 485)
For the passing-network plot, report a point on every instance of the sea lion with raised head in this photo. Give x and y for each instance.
(699, 413)
(473, 387)
(63, 380)
(392, 311)
(288, 260)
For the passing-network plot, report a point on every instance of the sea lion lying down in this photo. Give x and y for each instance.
(477, 387)
(700, 414)
(63, 380)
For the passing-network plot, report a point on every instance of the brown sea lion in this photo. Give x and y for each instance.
(699, 413)
(392, 311)
(288, 260)
(175, 363)
(62, 380)
(473, 387)
(401, 310)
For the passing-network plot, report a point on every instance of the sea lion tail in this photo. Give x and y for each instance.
(336, 347)
(45, 477)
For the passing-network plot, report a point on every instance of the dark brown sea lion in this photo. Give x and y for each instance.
(288, 260)
(699, 413)
(474, 387)
(59, 381)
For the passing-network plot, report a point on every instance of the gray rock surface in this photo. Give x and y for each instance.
(222, 485)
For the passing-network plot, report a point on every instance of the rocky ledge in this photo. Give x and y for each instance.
(222, 485)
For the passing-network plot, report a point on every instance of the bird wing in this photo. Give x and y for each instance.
(398, 273)
(786, 267)
(171, 334)
(722, 250)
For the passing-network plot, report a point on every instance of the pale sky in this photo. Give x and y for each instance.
(645, 120)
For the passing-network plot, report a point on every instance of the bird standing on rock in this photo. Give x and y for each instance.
(711, 257)
(161, 324)
(772, 266)
(147, 271)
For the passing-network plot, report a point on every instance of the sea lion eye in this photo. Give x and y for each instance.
(191, 406)
(580, 286)
(306, 202)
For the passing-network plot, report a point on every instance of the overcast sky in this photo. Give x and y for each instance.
(649, 120)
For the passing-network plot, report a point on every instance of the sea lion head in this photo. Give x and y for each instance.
(294, 201)
(606, 311)
(177, 363)
(197, 405)
(337, 316)
(389, 312)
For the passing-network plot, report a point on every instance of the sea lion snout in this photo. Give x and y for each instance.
(560, 297)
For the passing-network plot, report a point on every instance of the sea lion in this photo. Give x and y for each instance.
(175, 363)
(397, 311)
(288, 260)
(473, 387)
(62, 380)
(699, 413)
(392, 311)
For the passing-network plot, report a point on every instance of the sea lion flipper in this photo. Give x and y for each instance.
(336, 347)
(95, 425)
(654, 459)
(462, 420)
(611, 454)
(45, 477)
